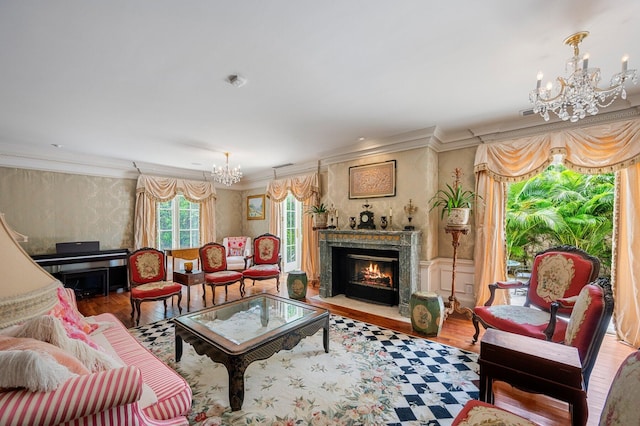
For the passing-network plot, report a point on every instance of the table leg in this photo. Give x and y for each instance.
(325, 336)
(178, 347)
(188, 297)
(579, 411)
(236, 383)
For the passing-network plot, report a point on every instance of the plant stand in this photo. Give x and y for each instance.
(453, 305)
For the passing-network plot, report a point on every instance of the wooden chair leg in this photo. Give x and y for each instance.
(213, 289)
(179, 302)
(164, 301)
(138, 302)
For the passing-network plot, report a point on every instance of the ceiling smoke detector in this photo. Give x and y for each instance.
(236, 80)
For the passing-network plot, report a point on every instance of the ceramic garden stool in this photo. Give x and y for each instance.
(297, 285)
(427, 313)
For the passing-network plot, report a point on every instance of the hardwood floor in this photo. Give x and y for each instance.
(456, 331)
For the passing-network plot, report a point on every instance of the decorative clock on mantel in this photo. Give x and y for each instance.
(366, 218)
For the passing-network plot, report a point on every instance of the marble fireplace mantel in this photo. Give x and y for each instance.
(407, 243)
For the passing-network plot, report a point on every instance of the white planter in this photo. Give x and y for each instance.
(458, 217)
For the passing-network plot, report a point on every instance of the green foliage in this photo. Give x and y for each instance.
(318, 208)
(452, 198)
(557, 207)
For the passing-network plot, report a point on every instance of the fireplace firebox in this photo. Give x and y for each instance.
(372, 278)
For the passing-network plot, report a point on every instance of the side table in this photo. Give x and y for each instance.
(188, 279)
(533, 365)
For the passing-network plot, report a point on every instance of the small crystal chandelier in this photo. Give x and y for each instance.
(225, 175)
(574, 97)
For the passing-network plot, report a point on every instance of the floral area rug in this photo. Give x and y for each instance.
(371, 376)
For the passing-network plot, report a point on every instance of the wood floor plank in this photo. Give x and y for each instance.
(456, 331)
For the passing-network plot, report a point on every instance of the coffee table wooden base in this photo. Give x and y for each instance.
(236, 364)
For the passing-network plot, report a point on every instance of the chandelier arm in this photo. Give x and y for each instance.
(560, 94)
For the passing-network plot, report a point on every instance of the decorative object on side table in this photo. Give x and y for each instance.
(410, 210)
(366, 218)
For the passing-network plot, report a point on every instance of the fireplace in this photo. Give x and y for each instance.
(392, 256)
(370, 275)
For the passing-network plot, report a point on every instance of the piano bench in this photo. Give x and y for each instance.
(80, 274)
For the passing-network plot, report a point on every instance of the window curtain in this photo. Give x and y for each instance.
(613, 147)
(151, 190)
(305, 189)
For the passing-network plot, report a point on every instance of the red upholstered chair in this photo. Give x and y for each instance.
(557, 273)
(213, 258)
(620, 407)
(147, 277)
(587, 326)
(266, 260)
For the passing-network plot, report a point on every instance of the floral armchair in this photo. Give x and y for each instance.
(266, 260)
(147, 277)
(557, 273)
(587, 326)
(213, 258)
(238, 250)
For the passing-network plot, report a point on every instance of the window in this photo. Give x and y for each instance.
(178, 224)
(292, 237)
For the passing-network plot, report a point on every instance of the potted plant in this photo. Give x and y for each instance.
(454, 201)
(320, 214)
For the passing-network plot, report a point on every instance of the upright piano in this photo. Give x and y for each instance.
(87, 269)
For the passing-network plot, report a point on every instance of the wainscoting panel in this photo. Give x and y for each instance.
(435, 276)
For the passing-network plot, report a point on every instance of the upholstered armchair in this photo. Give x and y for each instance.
(557, 273)
(147, 277)
(620, 407)
(238, 251)
(213, 258)
(266, 260)
(585, 332)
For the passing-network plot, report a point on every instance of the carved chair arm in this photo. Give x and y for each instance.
(503, 285)
(551, 327)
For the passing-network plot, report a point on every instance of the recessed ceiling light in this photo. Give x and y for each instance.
(196, 164)
(361, 138)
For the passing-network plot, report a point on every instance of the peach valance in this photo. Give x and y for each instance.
(302, 187)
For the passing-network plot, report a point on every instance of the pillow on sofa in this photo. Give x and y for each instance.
(32, 370)
(67, 312)
(51, 330)
(63, 358)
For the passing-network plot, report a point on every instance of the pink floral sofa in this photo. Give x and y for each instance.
(125, 384)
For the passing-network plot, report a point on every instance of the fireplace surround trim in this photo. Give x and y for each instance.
(407, 243)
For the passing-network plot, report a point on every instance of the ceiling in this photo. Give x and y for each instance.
(122, 84)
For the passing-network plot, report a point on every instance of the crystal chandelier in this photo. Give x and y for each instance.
(225, 175)
(574, 97)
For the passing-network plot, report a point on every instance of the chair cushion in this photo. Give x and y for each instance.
(585, 319)
(556, 275)
(223, 277)
(213, 258)
(146, 266)
(521, 320)
(236, 245)
(261, 271)
(266, 250)
(621, 405)
(155, 290)
(480, 413)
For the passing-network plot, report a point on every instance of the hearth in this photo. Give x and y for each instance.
(345, 256)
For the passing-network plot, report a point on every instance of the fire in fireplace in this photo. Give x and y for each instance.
(372, 278)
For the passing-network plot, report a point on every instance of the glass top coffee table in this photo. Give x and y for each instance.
(247, 330)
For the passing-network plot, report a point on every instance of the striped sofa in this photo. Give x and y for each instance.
(144, 391)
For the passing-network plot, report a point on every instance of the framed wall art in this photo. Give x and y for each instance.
(373, 180)
(255, 207)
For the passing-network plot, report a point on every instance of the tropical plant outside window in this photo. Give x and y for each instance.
(178, 224)
(558, 207)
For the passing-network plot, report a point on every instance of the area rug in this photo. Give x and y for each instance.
(371, 376)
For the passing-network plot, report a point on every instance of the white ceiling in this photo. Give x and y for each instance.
(120, 82)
